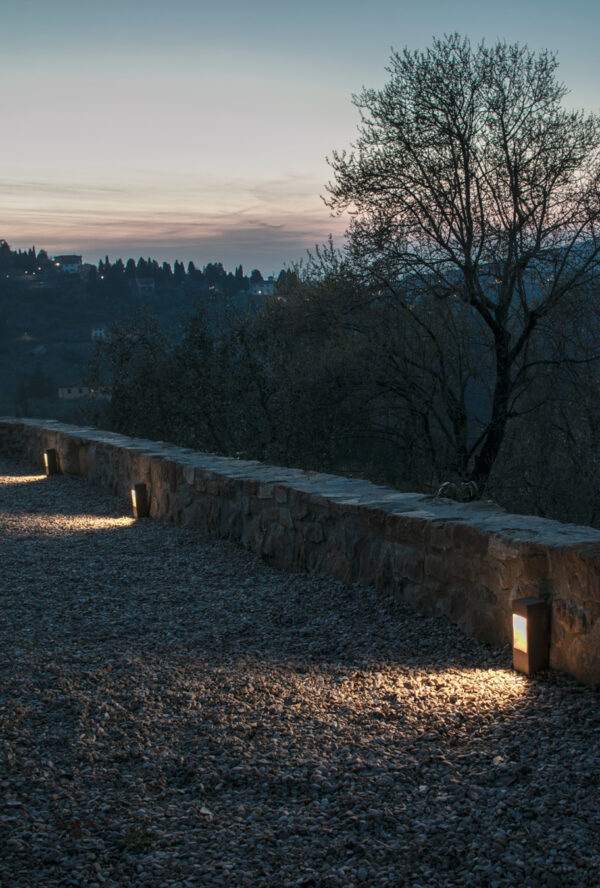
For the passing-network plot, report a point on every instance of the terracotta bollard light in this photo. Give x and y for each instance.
(139, 498)
(51, 461)
(530, 634)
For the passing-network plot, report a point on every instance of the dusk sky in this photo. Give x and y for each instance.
(189, 130)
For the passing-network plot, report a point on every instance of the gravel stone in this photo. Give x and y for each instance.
(175, 712)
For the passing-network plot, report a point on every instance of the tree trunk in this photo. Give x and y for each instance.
(485, 459)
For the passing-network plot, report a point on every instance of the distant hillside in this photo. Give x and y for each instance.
(53, 309)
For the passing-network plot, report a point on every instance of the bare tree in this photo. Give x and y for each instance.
(470, 182)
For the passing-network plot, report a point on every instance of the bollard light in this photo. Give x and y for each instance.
(530, 634)
(139, 498)
(51, 461)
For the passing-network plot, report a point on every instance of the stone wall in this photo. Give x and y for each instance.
(466, 561)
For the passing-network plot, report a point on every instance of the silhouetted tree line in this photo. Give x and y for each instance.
(212, 278)
(21, 260)
(118, 278)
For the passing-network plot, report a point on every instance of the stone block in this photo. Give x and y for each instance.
(193, 515)
(200, 482)
(285, 518)
(298, 552)
(313, 531)
(407, 563)
(156, 479)
(278, 546)
(470, 540)
(269, 515)
(231, 521)
(336, 563)
(169, 474)
(299, 505)
(440, 537)
(185, 495)
(313, 557)
(577, 654)
(249, 486)
(502, 549)
(573, 618)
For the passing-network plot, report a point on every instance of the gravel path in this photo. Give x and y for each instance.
(174, 712)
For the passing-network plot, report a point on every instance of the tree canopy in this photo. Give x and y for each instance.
(470, 181)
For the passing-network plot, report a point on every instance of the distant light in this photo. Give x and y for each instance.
(139, 499)
(530, 634)
(51, 461)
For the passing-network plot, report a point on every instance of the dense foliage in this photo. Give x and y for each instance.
(323, 378)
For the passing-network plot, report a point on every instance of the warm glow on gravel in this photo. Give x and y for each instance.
(60, 520)
(83, 522)
(46, 524)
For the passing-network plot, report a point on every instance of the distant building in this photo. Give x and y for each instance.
(263, 288)
(68, 264)
(85, 269)
(145, 285)
(99, 334)
(71, 392)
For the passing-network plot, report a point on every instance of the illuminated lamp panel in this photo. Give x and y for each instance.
(51, 461)
(139, 499)
(530, 634)
(520, 633)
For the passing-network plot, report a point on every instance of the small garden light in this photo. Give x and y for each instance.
(51, 461)
(139, 498)
(530, 634)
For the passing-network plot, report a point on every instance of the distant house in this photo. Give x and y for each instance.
(85, 269)
(263, 288)
(68, 264)
(99, 334)
(71, 392)
(145, 285)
